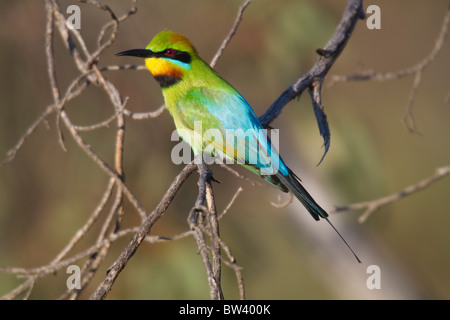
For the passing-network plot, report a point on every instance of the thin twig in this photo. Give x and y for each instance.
(231, 202)
(408, 116)
(120, 263)
(11, 154)
(240, 176)
(33, 274)
(98, 125)
(283, 204)
(236, 268)
(51, 69)
(374, 205)
(102, 164)
(144, 115)
(231, 33)
(382, 76)
(416, 70)
(89, 223)
(140, 67)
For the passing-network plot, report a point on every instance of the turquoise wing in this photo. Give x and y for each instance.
(231, 129)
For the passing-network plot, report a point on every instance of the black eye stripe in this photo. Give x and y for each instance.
(176, 55)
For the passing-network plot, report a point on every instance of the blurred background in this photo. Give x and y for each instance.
(46, 194)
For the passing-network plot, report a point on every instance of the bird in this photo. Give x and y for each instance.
(205, 108)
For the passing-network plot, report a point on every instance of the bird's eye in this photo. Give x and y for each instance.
(169, 52)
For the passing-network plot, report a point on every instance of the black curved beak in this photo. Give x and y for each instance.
(141, 53)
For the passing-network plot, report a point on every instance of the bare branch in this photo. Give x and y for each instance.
(236, 268)
(144, 115)
(408, 116)
(373, 205)
(316, 75)
(233, 199)
(33, 274)
(416, 70)
(92, 219)
(140, 67)
(203, 218)
(214, 236)
(49, 52)
(90, 73)
(198, 226)
(284, 204)
(240, 176)
(120, 263)
(382, 76)
(231, 33)
(99, 125)
(11, 154)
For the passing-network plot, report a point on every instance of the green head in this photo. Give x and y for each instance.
(168, 56)
(171, 40)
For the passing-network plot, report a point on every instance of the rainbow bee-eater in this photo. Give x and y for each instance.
(195, 93)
